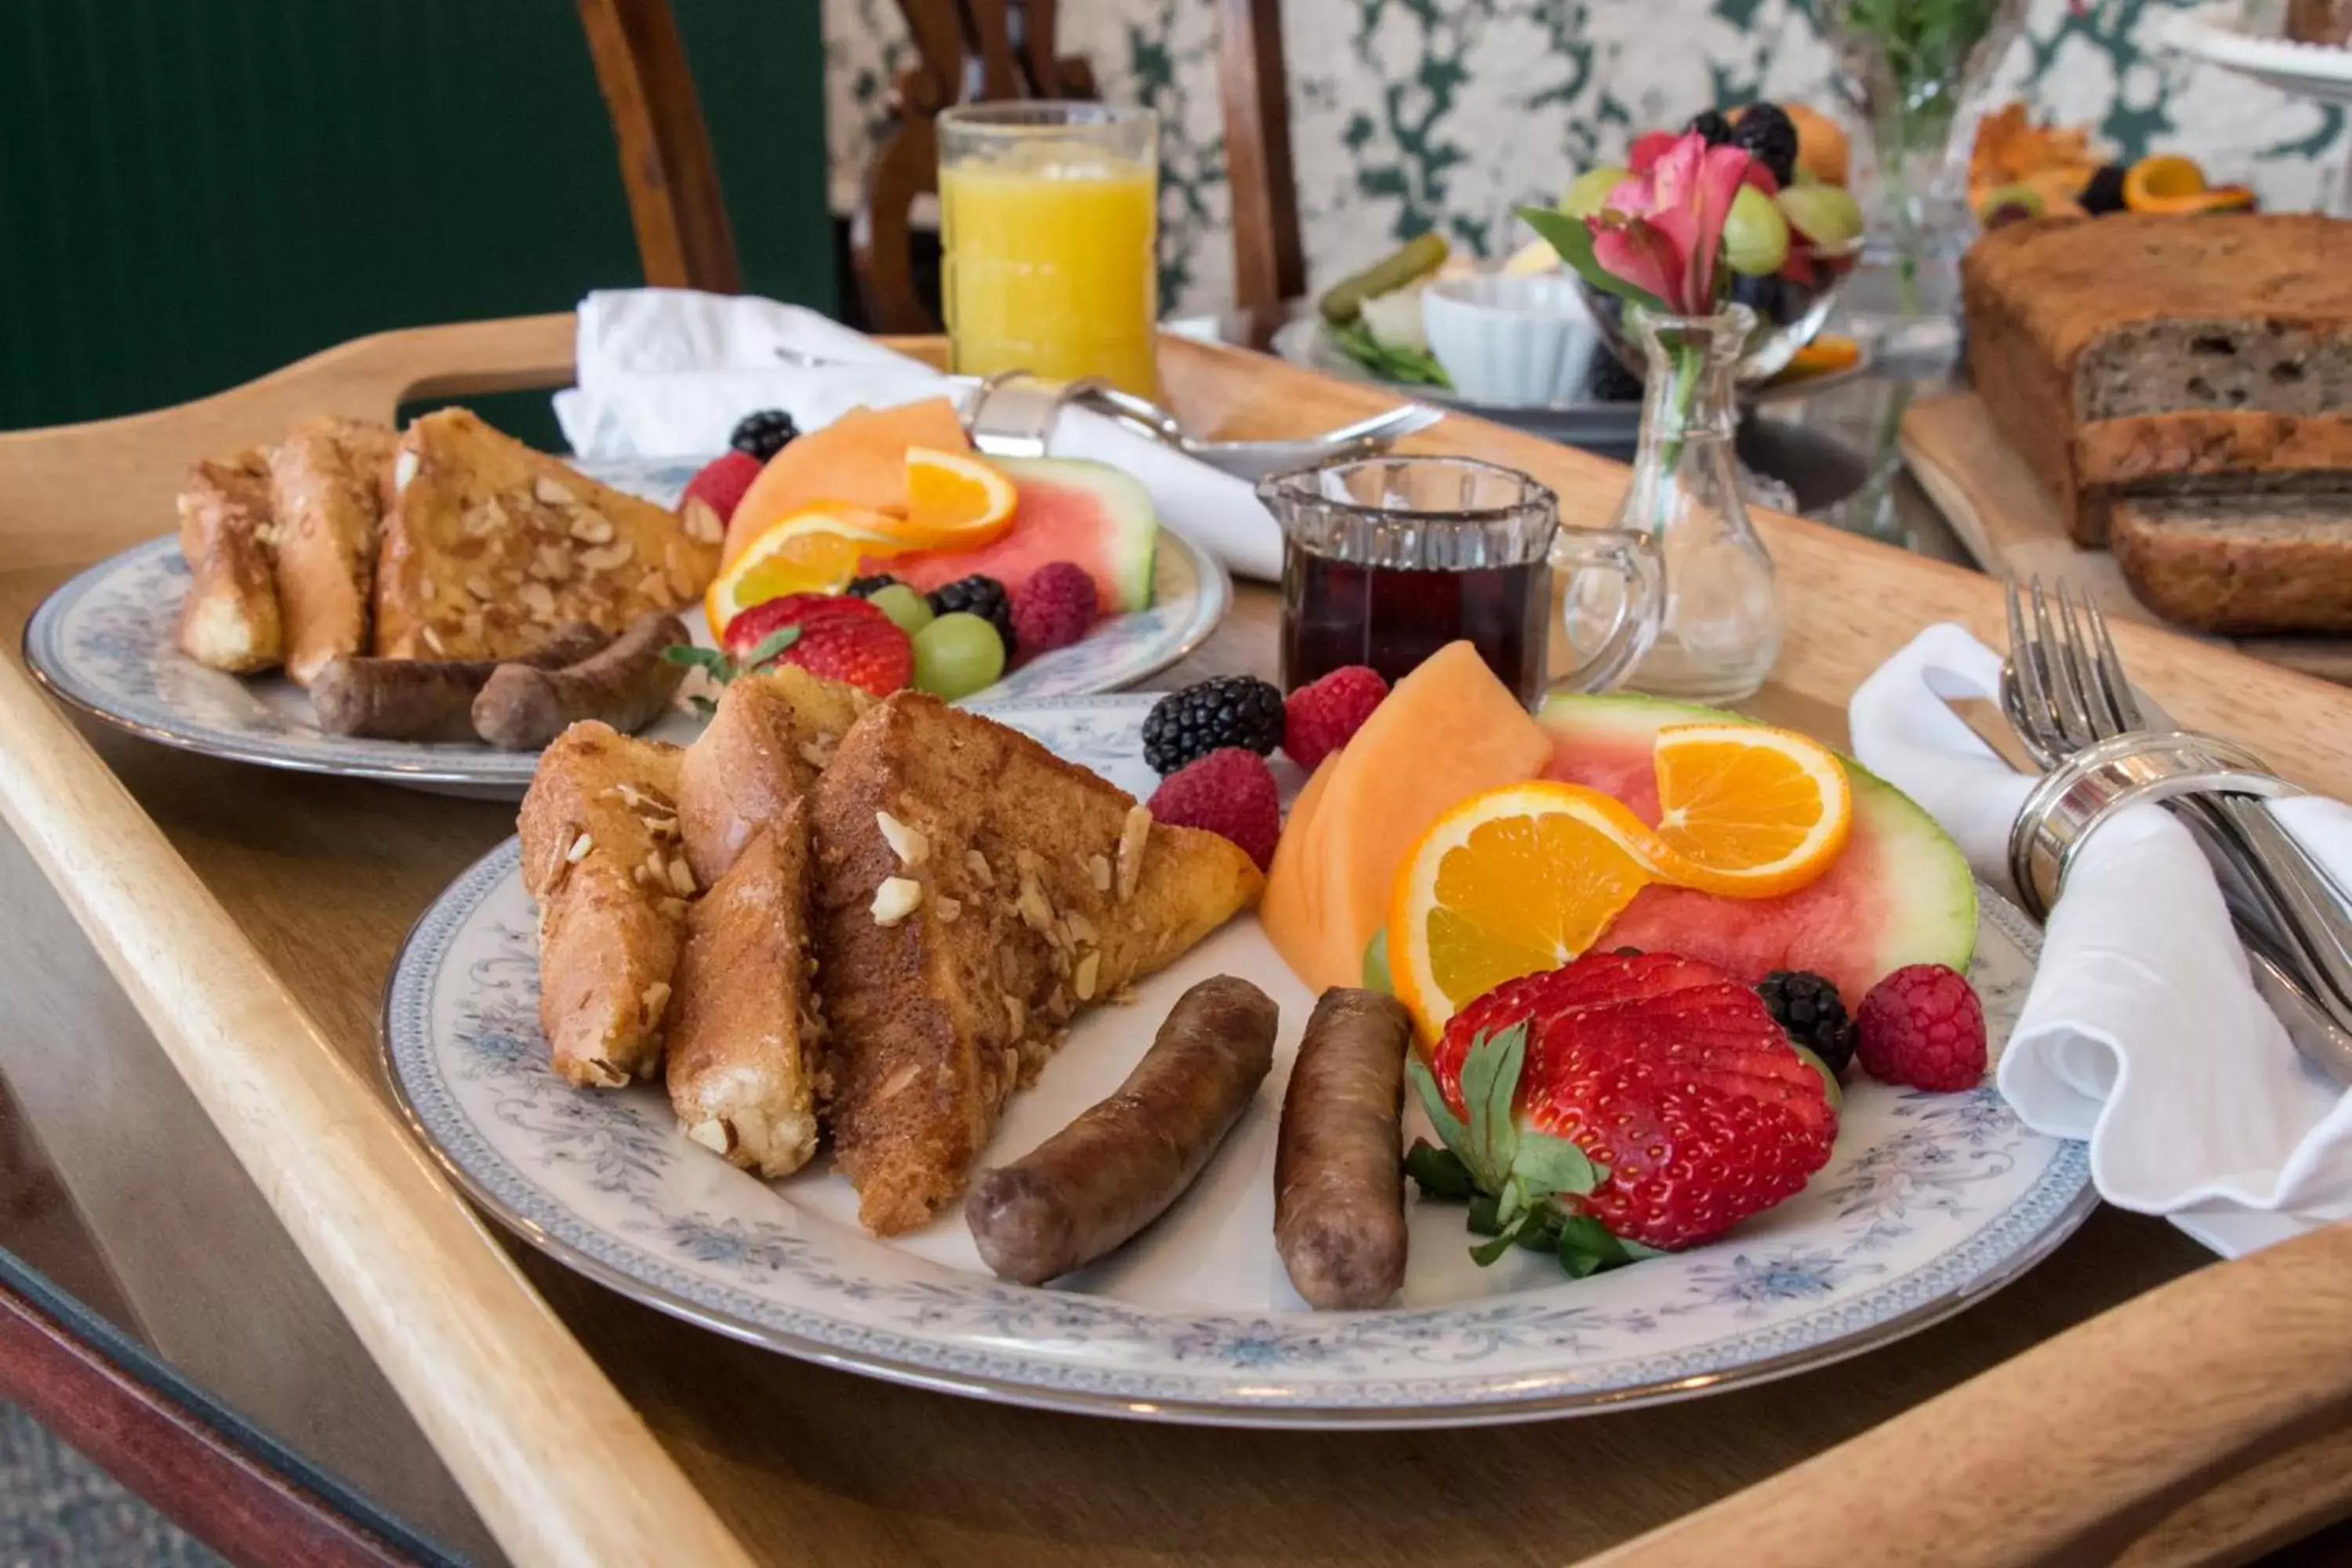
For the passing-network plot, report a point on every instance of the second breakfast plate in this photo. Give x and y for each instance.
(1929, 1203)
(104, 642)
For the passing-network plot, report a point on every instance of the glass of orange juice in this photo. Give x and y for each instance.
(1049, 220)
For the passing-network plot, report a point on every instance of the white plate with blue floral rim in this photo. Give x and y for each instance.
(1929, 1202)
(104, 643)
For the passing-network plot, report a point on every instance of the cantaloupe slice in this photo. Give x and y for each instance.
(860, 458)
(1448, 730)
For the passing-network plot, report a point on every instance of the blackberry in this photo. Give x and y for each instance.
(1229, 711)
(1711, 124)
(2104, 194)
(764, 434)
(1607, 380)
(1808, 1008)
(981, 596)
(1769, 137)
(866, 588)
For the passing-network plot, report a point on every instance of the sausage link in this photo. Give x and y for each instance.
(1117, 1167)
(426, 699)
(1339, 1165)
(522, 707)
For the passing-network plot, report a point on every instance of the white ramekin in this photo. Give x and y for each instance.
(1523, 341)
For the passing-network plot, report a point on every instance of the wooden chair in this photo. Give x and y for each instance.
(1269, 267)
(666, 167)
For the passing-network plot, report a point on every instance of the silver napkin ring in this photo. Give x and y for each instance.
(2084, 790)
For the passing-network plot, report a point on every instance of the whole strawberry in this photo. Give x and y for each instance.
(829, 635)
(717, 487)
(1650, 1093)
(1922, 1026)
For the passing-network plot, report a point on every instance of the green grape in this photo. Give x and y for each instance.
(1825, 215)
(956, 655)
(910, 610)
(1590, 189)
(1755, 234)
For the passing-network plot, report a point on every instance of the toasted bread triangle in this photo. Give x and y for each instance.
(1041, 889)
(491, 546)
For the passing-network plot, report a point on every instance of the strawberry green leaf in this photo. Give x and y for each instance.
(703, 707)
(1482, 1218)
(1545, 1164)
(708, 660)
(1439, 1172)
(1485, 1252)
(771, 646)
(1449, 1126)
(1586, 1247)
(1490, 1079)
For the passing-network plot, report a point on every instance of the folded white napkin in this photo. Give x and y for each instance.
(2142, 1032)
(666, 372)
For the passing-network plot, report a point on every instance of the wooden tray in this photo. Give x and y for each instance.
(251, 919)
(2010, 523)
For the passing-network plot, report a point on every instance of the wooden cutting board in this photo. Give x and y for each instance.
(2010, 523)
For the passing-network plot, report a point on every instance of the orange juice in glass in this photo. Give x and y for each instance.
(1049, 220)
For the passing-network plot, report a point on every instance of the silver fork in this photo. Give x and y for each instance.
(2064, 687)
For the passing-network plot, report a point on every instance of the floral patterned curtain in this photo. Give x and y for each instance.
(1406, 113)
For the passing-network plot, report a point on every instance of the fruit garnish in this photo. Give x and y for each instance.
(1589, 192)
(1829, 352)
(955, 500)
(1512, 881)
(1753, 812)
(1770, 136)
(958, 654)
(2169, 182)
(907, 610)
(1808, 1008)
(1056, 608)
(716, 488)
(1922, 1026)
(1324, 715)
(1755, 234)
(1822, 150)
(1223, 711)
(832, 634)
(1825, 217)
(1229, 792)
(1619, 1104)
(763, 433)
(981, 596)
(815, 551)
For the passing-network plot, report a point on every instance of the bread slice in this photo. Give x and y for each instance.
(744, 1034)
(774, 733)
(230, 620)
(2241, 563)
(602, 858)
(974, 893)
(490, 546)
(327, 496)
(2209, 452)
(2137, 316)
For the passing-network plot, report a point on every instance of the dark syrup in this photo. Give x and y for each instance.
(1338, 613)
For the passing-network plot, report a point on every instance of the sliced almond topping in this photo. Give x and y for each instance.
(1035, 912)
(605, 1075)
(605, 558)
(403, 470)
(539, 600)
(591, 528)
(1018, 1013)
(896, 898)
(681, 876)
(427, 589)
(700, 520)
(715, 1135)
(1090, 971)
(548, 490)
(655, 998)
(671, 908)
(579, 850)
(550, 563)
(977, 864)
(814, 755)
(1008, 968)
(1099, 872)
(662, 826)
(896, 1083)
(947, 909)
(430, 638)
(1082, 930)
(907, 843)
(1131, 836)
(1027, 862)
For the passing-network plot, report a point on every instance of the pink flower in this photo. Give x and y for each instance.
(1661, 229)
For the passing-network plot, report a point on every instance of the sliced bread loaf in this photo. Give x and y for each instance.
(2207, 452)
(2241, 563)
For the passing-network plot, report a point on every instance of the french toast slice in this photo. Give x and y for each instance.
(602, 858)
(230, 619)
(490, 546)
(326, 497)
(744, 1035)
(974, 893)
(774, 733)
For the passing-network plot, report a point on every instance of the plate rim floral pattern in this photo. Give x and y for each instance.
(965, 1320)
(111, 674)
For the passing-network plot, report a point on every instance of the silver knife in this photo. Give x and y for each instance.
(1982, 716)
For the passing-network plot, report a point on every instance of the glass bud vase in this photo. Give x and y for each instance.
(1719, 617)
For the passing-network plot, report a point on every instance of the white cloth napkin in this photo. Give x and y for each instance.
(666, 372)
(2142, 1032)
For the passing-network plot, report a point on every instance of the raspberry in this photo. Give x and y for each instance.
(720, 483)
(1322, 716)
(1229, 792)
(1924, 1026)
(1055, 608)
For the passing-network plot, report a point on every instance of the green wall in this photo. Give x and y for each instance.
(193, 191)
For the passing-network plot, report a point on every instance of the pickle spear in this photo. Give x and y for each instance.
(1414, 259)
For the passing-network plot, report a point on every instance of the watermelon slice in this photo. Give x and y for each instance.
(1070, 509)
(1902, 892)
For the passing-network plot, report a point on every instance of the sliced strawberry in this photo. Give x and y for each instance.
(833, 635)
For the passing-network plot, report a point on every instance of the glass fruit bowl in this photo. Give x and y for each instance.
(1791, 306)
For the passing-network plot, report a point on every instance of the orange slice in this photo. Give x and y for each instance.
(1512, 881)
(815, 551)
(1747, 810)
(956, 501)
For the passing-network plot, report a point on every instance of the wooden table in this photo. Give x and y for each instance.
(199, 1061)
